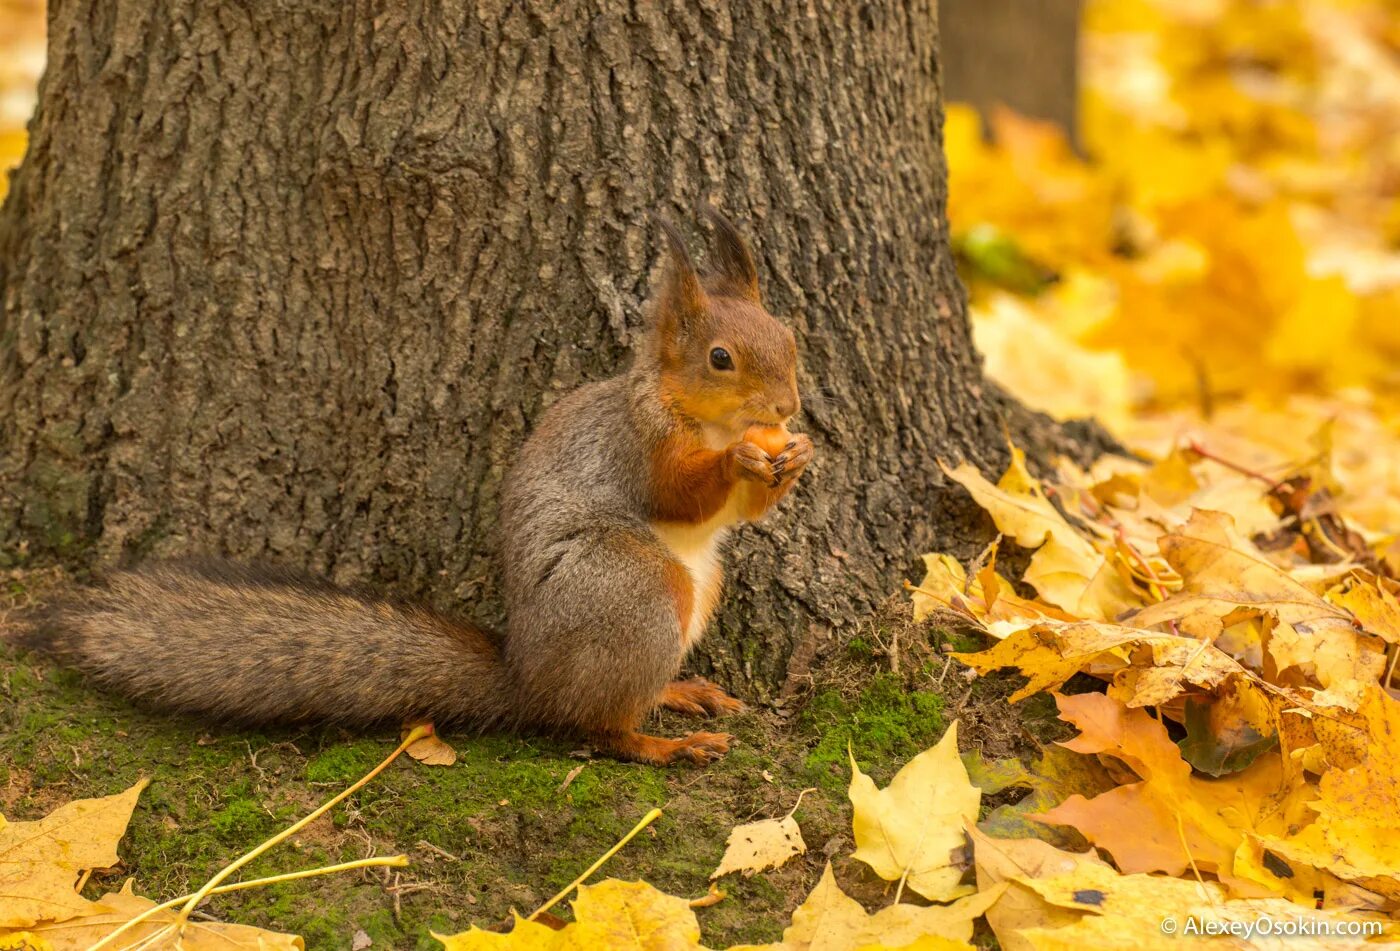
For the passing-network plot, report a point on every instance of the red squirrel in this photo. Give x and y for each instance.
(613, 518)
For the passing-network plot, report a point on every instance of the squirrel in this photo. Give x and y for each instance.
(613, 519)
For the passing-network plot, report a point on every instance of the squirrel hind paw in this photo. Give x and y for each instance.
(700, 748)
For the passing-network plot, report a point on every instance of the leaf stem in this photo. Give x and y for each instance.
(398, 861)
(646, 820)
(414, 735)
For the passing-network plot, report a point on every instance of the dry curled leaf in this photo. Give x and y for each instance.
(431, 750)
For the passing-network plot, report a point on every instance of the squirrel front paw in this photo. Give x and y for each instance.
(749, 461)
(788, 464)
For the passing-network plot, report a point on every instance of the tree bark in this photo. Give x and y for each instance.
(289, 281)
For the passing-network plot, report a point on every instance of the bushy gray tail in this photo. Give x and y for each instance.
(262, 646)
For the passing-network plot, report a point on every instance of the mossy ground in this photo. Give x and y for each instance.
(498, 830)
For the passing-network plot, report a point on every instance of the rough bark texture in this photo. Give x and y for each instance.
(1019, 53)
(289, 280)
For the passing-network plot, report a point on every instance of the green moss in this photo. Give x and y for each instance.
(884, 727)
(239, 820)
(343, 764)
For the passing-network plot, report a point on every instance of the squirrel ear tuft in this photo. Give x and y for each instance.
(731, 256)
(681, 296)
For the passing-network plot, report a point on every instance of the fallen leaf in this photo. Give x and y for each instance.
(1376, 608)
(612, 914)
(755, 846)
(1220, 578)
(1225, 733)
(1002, 862)
(116, 908)
(1359, 805)
(1064, 562)
(830, 920)
(910, 830)
(430, 750)
(1114, 910)
(524, 936)
(40, 861)
(634, 915)
(1170, 821)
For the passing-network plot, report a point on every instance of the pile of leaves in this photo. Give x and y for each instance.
(1246, 747)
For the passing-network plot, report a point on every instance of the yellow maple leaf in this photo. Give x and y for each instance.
(1221, 577)
(1149, 668)
(910, 830)
(620, 916)
(1376, 608)
(1359, 805)
(634, 915)
(525, 935)
(116, 908)
(1004, 861)
(985, 597)
(830, 920)
(40, 861)
(1115, 910)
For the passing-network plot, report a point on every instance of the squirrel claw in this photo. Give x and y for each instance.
(751, 461)
(702, 748)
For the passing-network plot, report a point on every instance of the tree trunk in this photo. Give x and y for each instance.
(289, 281)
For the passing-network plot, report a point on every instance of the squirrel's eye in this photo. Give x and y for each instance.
(720, 359)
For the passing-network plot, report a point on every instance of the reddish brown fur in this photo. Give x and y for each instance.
(682, 591)
(697, 697)
(688, 482)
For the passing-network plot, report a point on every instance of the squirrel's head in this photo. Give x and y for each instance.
(723, 359)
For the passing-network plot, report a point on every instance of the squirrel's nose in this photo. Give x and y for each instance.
(785, 406)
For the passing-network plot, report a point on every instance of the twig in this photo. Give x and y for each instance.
(443, 852)
(899, 890)
(1204, 453)
(414, 735)
(799, 801)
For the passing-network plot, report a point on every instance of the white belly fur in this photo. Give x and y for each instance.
(698, 548)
